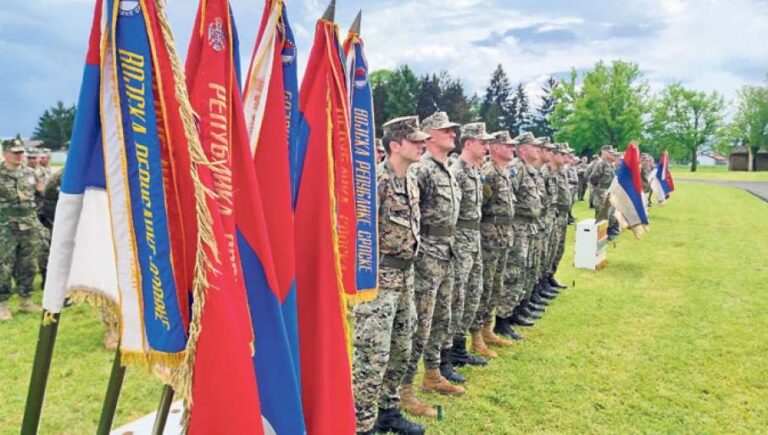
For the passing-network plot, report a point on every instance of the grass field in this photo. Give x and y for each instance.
(715, 173)
(672, 337)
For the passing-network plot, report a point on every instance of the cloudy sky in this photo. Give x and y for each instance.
(706, 44)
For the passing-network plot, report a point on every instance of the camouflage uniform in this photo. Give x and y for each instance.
(497, 238)
(600, 179)
(45, 213)
(468, 263)
(19, 231)
(581, 170)
(563, 199)
(439, 203)
(538, 246)
(528, 209)
(384, 326)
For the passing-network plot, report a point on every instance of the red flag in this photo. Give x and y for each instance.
(224, 396)
(325, 240)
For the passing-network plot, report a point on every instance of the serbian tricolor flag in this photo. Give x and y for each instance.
(120, 230)
(273, 308)
(664, 175)
(363, 165)
(325, 239)
(213, 78)
(82, 256)
(626, 192)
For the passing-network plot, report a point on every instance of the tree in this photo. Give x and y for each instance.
(750, 124)
(453, 100)
(683, 120)
(379, 80)
(495, 108)
(402, 89)
(427, 101)
(607, 109)
(54, 127)
(520, 111)
(540, 120)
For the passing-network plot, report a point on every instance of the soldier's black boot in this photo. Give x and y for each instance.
(538, 300)
(544, 290)
(460, 356)
(392, 420)
(446, 368)
(520, 319)
(503, 328)
(554, 283)
(528, 312)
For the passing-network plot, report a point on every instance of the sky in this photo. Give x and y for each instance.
(708, 45)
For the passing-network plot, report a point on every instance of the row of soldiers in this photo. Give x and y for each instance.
(469, 246)
(28, 194)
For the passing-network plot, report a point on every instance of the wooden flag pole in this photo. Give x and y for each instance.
(162, 410)
(40, 369)
(112, 396)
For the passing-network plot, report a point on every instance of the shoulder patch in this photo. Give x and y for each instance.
(487, 191)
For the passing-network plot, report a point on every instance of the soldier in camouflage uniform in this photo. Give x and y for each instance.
(42, 177)
(19, 230)
(581, 168)
(572, 174)
(468, 261)
(384, 326)
(587, 174)
(439, 198)
(497, 236)
(600, 180)
(528, 209)
(563, 201)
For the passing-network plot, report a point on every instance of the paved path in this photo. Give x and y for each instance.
(757, 188)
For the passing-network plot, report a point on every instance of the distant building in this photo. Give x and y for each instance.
(761, 160)
(740, 159)
(711, 158)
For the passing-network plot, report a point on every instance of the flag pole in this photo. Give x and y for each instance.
(112, 396)
(162, 410)
(41, 367)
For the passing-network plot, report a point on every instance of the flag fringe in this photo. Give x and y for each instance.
(182, 377)
(48, 318)
(365, 295)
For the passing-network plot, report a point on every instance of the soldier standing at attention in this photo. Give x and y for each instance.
(600, 179)
(439, 198)
(468, 261)
(384, 326)
(497, 236)
(563, 201)
(528, 209)
(19, 231)
(587, 174)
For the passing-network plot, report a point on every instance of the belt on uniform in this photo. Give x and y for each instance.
(467, 224)
(438, 230)
(523, 219)
(396, 263)
(498, 220)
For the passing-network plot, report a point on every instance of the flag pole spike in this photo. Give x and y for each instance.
(330, 12)
(356, 24)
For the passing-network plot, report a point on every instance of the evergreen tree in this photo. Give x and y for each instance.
(540, 120)
(54, 127)
(495, 109)
(427, 101)
(520, 112)
(453, 99)
(403, 88)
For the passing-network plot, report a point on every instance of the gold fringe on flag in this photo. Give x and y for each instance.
(182, 377)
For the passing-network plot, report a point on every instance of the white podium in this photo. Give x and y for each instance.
(591, 243)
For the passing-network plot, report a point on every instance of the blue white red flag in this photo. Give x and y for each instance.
(364, 167)
(273, 309)
(626, 192)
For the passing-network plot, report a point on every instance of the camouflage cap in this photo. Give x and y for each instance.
(407, 127)
(527, 138)
(33, 152)
(608, 148)
(475, 130)
(567, 148)
(437, 121)
(45, 151)
(503, 137)
(13, 146)
(545, 143)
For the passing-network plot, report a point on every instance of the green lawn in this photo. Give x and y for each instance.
(672, 337)
(715, 173)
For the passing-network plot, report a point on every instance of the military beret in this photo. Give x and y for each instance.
(475, 130)
(437, 121)
(407, 126)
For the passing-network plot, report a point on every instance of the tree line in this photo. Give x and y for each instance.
(611, 103)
